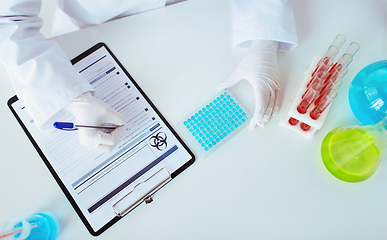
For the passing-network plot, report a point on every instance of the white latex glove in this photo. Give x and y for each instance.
(89, 110)
(259, 67)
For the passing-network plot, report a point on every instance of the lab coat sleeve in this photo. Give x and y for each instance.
(42, 75)
(264, 19)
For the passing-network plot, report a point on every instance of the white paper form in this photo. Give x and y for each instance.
(97, 180)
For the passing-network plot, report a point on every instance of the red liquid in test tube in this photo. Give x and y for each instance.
(322, 66)
(303, 107)
(293, 121)
(332, 84)
(319, 78)
(315, 113)
(326, 90)
(305, 127)
(340, 66)
(322, 104)
(310, 95)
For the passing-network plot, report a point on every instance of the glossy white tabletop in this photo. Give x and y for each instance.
(266, 183)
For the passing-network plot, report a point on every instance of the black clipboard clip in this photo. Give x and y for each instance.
(142, 192)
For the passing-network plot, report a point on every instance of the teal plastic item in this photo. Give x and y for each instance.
(215, 122)
(38, 226)
(368, 93)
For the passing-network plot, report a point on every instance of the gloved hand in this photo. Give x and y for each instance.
(89, 110)
(259, 67)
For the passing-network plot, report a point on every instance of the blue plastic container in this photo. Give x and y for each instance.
(47, 229)
(368, 93)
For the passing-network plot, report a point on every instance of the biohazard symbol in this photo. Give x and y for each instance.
(159, 141)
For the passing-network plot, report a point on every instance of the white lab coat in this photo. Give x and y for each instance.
(41, 74)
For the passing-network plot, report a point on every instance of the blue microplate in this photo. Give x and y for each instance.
(214, 123)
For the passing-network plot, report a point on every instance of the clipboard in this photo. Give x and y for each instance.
(104, 187)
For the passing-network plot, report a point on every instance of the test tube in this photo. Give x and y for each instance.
(326, 61)
(344, 61)
(322, 105)
(332, 84)
(343, 73)
(334, 48)
(337, 75)
(293, 121)
(323, 66)
(331, 52)
(305, 127)
(309, 96)
(347, 57)
(339, 41)
(320, 77)
(352, 49)
(328, 88)
(334, 78)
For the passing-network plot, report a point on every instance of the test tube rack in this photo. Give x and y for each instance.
(322, 71)
(291, 109)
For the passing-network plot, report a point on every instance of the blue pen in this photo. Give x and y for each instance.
(69, 126)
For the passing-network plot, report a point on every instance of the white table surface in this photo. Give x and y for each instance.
(267, 183)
